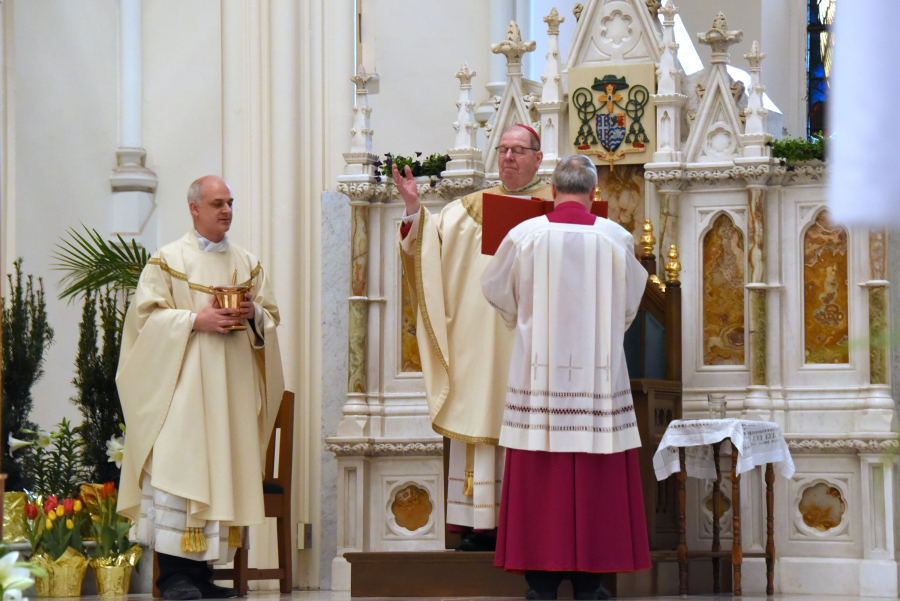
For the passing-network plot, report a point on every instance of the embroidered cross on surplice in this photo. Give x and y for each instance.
(536, 365)
(604, 368)
(568, 367)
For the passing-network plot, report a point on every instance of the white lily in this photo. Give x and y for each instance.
(15, 444)
(43, 439)
(13, 578)
(115, 449)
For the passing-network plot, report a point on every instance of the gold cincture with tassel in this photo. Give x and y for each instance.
(469, 486)
(194, 541)
(235, 540)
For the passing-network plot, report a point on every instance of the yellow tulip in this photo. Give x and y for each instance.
(51, 516)
(70, 524)
(60, 511)
(49, 525)
(77, 506)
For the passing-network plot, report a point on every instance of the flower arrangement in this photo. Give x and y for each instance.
(110, 530)
(794, 150)
(55, 527)
(431, 166)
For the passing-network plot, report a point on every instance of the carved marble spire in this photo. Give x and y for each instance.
(465, 125)
(668, 60)
(755, 112)
(513, 47)
(551, 107)
(361, 132)
(720, 39)
(552, 91)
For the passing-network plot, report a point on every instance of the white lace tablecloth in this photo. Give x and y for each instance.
(758, 443)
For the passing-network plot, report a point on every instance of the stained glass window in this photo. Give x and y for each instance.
(819, 53)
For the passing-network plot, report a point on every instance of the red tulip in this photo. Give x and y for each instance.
(108, 490)
(50, 504)
(68, 506)
(31, 512)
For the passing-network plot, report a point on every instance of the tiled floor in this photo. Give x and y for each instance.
(329, 596)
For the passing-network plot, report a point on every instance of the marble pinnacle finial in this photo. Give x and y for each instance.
(553, 20)
(755, 57)
(513, 46)
(648, 240)
(669, 11)
(465, 75)
(719, 38)
(362, 79)
(673, 267)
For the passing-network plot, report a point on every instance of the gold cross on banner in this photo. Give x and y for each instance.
(611, 97)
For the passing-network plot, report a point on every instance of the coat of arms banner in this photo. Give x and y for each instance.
(611, 116)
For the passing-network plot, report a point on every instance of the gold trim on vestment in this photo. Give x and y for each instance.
(420, 291)
(198, 287)
(475, 212)
(465, 438)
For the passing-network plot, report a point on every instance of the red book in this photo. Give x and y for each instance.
(501, 213)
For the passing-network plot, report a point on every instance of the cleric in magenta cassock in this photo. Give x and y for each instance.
(569, 286)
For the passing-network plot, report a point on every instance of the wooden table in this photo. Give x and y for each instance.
(715, 553)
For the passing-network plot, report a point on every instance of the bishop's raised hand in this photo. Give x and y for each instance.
(406, 186)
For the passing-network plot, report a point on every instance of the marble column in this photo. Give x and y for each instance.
(879, 403)
(756, 283)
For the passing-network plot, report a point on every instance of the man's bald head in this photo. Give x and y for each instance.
(531, 137)
(209, 199)
(195, 191)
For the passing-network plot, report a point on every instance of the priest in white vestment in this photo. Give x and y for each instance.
(463, 344)
(568, 285)
(199, 399)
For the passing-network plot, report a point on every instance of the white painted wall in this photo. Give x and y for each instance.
(419, 48)
(64, 71)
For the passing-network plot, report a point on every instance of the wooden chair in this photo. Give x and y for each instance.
(277, 499)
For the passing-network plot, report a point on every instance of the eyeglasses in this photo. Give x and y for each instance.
(516, 150)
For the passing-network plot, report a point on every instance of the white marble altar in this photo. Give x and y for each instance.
(784, 312)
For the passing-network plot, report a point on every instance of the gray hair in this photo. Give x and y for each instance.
(195, 191)
(575, 174)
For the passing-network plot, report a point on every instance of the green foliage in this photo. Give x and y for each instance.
(95, 380)
(55, 462)
(795, 150)
(26, 335)
(93, 263)
(110, 529)
(432, 166)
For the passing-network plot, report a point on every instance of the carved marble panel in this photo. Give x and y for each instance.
(409, 347)
(723, 294)
(623, 188)
(825, 291)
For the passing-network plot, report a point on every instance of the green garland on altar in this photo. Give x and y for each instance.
(797, 150)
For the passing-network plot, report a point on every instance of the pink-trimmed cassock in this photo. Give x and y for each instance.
(568, 283)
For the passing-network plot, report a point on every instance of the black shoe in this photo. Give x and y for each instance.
(214, 591)
(533, 594)
(475, 541)
(181, 590)
(600, 593)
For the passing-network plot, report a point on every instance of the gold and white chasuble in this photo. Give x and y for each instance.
(464, 349)
(569, 292)
(199, 406)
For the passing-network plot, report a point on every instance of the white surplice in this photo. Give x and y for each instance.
(570, 291)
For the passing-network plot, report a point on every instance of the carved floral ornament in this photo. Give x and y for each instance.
(513, 47)
(399, 449)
